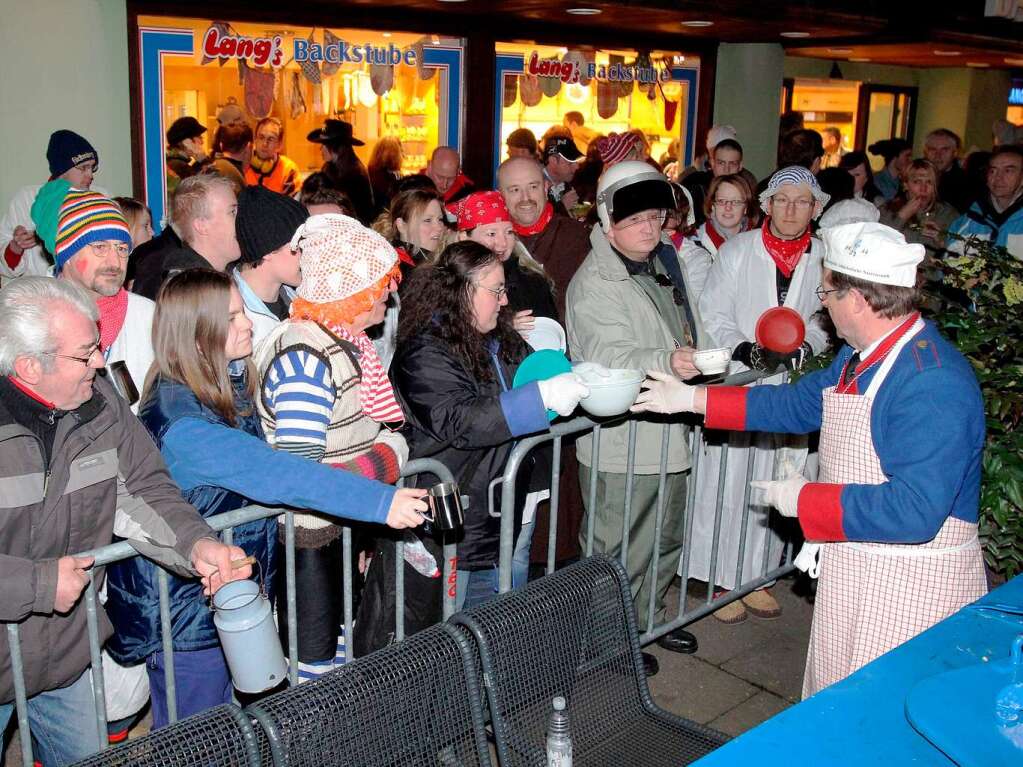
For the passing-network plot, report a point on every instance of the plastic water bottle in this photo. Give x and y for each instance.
(559, 742)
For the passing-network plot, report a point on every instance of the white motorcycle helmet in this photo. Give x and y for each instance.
(631, 187)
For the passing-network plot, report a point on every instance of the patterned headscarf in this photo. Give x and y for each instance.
(480, 208)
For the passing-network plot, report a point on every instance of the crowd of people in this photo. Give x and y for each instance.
(293, 342)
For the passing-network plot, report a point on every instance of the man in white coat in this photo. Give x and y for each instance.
(776, 265)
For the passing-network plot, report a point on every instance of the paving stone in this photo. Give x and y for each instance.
(689, 687)
(750, 713)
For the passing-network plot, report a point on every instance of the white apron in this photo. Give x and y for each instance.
(873, 597)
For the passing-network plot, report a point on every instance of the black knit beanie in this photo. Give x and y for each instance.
(266, 220)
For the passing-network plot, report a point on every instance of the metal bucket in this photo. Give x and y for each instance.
(248, 634)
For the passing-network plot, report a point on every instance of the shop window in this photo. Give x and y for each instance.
(827, 104)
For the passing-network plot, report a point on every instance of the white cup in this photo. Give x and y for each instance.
(712, 361)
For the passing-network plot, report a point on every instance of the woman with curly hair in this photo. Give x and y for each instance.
(456, 358)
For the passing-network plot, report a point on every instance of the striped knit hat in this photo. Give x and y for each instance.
(68, 219)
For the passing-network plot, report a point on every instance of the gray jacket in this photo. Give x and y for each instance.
(104, 466)
(612, 321)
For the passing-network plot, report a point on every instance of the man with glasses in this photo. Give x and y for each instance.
(77, 469)
(268, 167)
(90, 242)
(70, 157)
(901, 423)
(775, 265)
(630, 305)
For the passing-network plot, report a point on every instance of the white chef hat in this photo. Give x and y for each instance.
(872, 252)
(854, 211)
(719, 133)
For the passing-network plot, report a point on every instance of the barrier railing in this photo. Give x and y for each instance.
(224, 523)
(556, 435)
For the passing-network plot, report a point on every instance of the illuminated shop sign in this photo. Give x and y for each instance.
(1016, 93)
(572, 71)
(269, 51)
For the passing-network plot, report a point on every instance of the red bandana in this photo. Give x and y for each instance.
(786, 253)
(874, 357)
(112, 311)
(479, 208)
(537, 226)
(715, 236)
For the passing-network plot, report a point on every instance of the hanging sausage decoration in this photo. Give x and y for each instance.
(607, 99)
(328, 68)
(529, 86)
(311, 69)
(511, 89)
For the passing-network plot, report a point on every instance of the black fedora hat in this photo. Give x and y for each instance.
(335, 132)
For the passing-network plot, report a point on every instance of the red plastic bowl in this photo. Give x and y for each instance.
(781, 329)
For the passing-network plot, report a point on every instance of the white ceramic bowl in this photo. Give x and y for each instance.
(611, 394)
(712, 361)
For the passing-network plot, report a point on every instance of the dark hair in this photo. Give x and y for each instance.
(800, 147)
(849, 161)
(739, 182)
(438, 300)
(998, 151)
(415, 181)
(788, 122)
(274, 121)
(316, 190)
(234, 138)
(889, 148)
(728, 143)
(889, 301)
(575, 117)
(838, 183)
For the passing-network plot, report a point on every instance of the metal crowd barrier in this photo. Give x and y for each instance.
(122, 550)
(226, 522)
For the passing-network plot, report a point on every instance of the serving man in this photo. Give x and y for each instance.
(630, 306)
(902, 432)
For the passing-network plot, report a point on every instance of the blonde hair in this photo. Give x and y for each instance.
(190, 329)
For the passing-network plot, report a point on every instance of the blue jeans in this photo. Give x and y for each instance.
(201, 681)
(520, 557)
(476, 587)
(63, 723)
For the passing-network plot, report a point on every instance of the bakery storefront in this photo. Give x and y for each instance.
(615, 90)
(385, 83)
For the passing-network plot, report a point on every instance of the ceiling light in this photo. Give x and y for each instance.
(697, 23)
(795, 34)
(858, 59)
(977, 64)
(938, 52)
(387, 34)
(584, 11)
(1014, 62)
(842, 51)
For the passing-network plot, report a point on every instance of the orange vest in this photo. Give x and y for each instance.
(282, 178)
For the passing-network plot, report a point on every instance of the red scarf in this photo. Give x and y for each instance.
(112, 311)
(403, 256)
(715, 236)
(537, 226)
(786, 253)
(874, 357)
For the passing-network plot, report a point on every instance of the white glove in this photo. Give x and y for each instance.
(664, 393)
(563, 392)
(783, 494)
(809, 559)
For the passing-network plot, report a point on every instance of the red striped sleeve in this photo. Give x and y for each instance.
(726, 407)
(820, 512)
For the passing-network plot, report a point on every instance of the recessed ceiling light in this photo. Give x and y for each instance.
(858, 59)
(387, 34)
(977, 64)
(842, 51)
(1014, 62)
(584, 11)
(697, 23)
(939, 52)
(795, 34)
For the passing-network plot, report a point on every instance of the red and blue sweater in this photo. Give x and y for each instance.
(927, 425)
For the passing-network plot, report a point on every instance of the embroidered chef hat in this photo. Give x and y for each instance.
(68, 219)
(719, 133)
(872, 252)
(342, 263)
(479, 208)
(794, 175)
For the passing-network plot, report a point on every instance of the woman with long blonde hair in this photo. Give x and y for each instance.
(198, 406)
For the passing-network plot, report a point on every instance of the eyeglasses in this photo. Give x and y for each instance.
(501, 291)
(784, 202)
(822, 292)
(104, 249)
(268, 139)
(84, 360)
(657, 217)
(728, 204)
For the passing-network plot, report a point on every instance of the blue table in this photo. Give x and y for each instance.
(861, 720)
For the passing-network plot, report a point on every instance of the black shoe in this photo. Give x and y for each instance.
(679, 640)
(650, 664)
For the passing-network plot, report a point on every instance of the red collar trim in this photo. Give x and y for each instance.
(883, 350)
(537, 226)
(29, 393)
(715, 236)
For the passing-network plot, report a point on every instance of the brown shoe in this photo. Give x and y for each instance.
(762, 605)
(733, 612)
